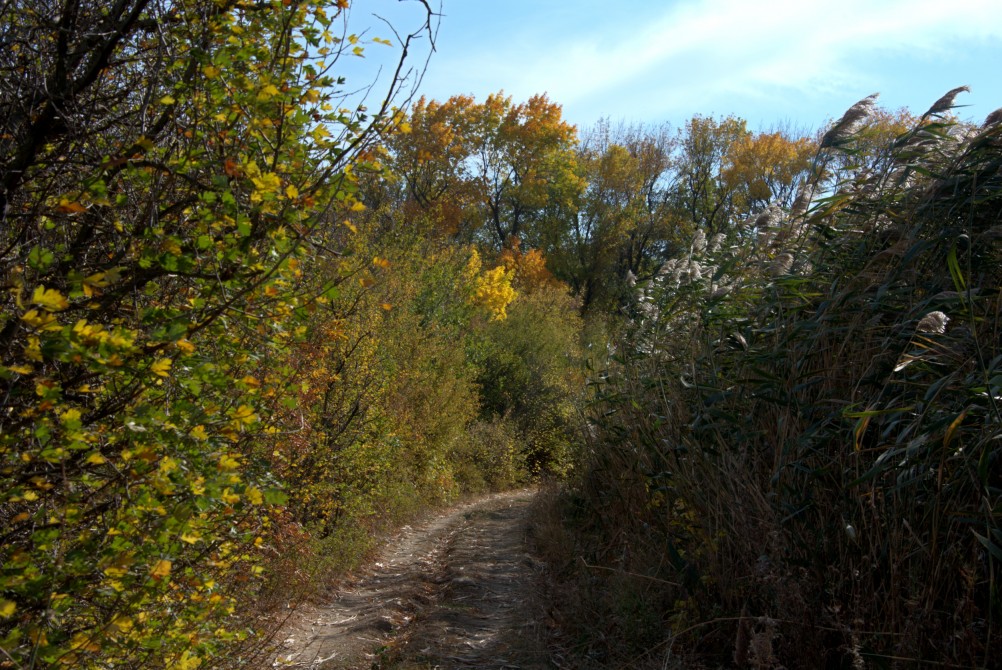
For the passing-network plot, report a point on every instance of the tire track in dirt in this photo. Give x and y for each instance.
(457, 591)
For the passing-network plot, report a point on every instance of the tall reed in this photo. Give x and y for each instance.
(804, 469)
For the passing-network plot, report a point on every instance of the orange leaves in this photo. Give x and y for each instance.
(231, 168)
(68, 207)
(529, 269)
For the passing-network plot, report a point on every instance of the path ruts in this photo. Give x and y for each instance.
(458, 591)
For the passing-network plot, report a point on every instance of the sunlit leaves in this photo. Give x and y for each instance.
(488, 168)
(161, 367)
(161, 569)
(153, 289)
(767, 167)
(49, 299)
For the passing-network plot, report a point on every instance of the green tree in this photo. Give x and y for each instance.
(623, 222)
(700, 192)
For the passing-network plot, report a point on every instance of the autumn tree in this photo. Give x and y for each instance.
(493, 166)
(700, 192)
(430, 158)
(767, 168)
(624, 221)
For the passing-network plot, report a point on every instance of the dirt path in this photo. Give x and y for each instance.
(457, 591)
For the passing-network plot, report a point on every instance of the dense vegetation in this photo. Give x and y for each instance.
(794, 457)
(234, 347)
(247, 323)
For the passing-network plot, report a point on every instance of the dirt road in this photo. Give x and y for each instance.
(457, 591)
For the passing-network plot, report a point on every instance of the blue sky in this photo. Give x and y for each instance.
(769, 61)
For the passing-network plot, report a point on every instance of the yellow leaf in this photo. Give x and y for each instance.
(167, 100)
(21, 369)
(268, 91)
(33, 349)
(161, 367)
(188, 661)
(84, 642)
(229, 496)
(116, 570)
(190, 538)
(228, 462)
(210, 71)
(40, 320)
(185, 345)
(96, 459)
(198, 486)
(350, 226)
(49, 299)
(291, 192)
(98, 280)
(160, 569)
(387, 306)
(7, 608)
(198, 432)
(357, 206)
(244, 414)
(254, 495)
(267, 183)
(122, 623)
(319, 133)
(952, 430)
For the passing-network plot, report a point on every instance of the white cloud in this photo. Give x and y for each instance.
(702, 52)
